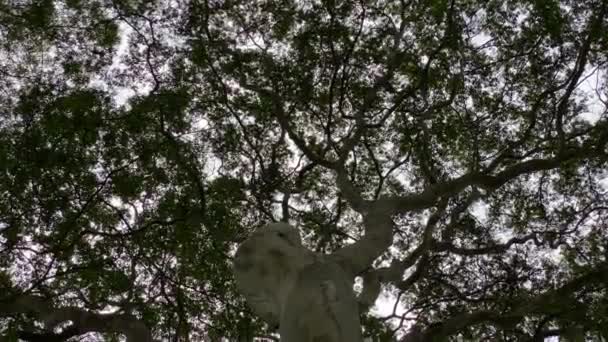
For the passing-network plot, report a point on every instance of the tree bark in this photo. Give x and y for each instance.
(321, 307)
(83, 321)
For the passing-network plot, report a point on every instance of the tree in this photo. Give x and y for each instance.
(452, 153)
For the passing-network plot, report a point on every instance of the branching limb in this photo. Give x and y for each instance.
(486, 181)
(493, 249)
(83, 321)
(542, 304)
(371, 291)
(394, 272)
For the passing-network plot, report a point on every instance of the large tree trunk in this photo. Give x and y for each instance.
(309, 296)
(321, 307)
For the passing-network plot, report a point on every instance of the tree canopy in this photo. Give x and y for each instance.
(454, 150)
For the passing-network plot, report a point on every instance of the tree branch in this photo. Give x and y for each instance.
(541, 304)
(493, 249)
(83, 321)
(428, 197)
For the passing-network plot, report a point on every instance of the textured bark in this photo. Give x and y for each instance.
(309, 296)
(83, 321)
(321, 307)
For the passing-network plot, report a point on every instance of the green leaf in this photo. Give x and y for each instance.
(39, 14)
(108, 35)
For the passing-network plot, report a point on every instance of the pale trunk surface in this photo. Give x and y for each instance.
(321, 307)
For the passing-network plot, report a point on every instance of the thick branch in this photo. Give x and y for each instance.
(428, 197)
(492, 249)
(378, 237)
(82, 321)
(546, 303)
(350, 192)
(65, 334)
(371, 291)
(394, 272)
(359, 256)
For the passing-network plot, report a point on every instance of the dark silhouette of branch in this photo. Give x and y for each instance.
(540, 305)
(83, 321)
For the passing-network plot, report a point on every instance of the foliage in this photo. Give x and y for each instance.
(140, 141)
